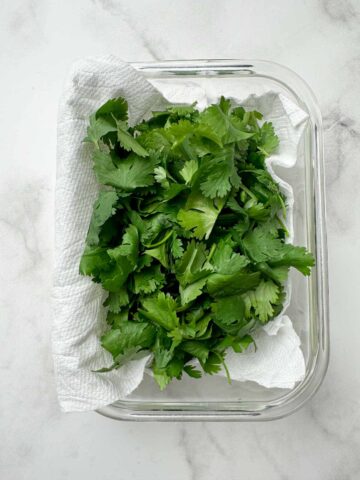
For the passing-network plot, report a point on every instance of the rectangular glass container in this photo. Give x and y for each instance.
(211, 398)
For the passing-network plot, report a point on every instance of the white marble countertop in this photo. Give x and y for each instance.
(39, 41)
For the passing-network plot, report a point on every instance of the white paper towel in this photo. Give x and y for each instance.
(79, 317)
(277, 343)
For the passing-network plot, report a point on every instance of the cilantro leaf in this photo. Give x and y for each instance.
(218, 174)
(213, 364)
(263, 246)
(161, 310)
(94, 260)
(128, 335)
(97, 129)
(192, 372)
(176, 247)
(226, 261)
(116, 300)
(104, 208)
(115, 278)
(130, 245)
(148, 280)
(193, 264)
(153, 226)
(192, 272)
(229, 313)
(128, 142)
(161, 177)
(222, 285)
(238, 344)
(114, 109)
(116, 319)
(268, 141)
(131, 173)
(160, 254)
(262, 299)
(200, 214)
(162, 378)
(197, 349)
(189, 169)
(124, 260)
(225, 126)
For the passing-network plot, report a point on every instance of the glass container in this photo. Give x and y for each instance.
(211, 398)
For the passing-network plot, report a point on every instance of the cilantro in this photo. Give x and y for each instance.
(228, 129)
(128, 142)
(199, 215)
(115, 278)
(176, 247)
(129, 247)
(222, 285)
(148, 280)
(196, 349)
(187, 235)
(130, 173)
(114, 109)
(225, 260)
(262, 299)
(159, 253)
(263, 245)
(161, 378)
(213, 364)
(228, 313)
(268, 141)
(192, 372)
(97, 129)
(189, 169)
(192, 272)
(116, 300)
(193, 264)
(129, 335)
(161, 310)
(219, 174)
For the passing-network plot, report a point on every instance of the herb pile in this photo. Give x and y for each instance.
(188, 236)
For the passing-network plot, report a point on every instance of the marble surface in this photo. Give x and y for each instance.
(39, 41)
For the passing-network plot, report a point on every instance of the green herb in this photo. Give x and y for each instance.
(187, 235)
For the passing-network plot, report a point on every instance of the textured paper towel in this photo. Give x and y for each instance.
(79, 315)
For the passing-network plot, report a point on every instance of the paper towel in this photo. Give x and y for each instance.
(277, 343)
(79, 317)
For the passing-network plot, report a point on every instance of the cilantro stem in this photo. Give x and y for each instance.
(246, 190)
(160, 242)
(212, 250)
(266, 270)
(184, 307)
(126, 204)
(283, 226)
(222, 361)
(283, 207)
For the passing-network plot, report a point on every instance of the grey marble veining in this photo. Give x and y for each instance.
(40, 40)
(344, 11)
(342, 137)
(119, 9)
